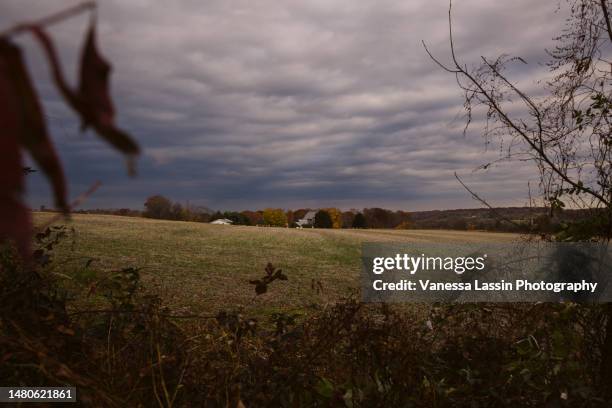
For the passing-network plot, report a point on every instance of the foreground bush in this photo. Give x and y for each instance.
(131, 351)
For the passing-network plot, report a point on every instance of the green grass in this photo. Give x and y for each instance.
(203, 267)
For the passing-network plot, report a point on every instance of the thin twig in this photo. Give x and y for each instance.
(505, 119)
(51, 19)
(483, 201)
(78, 201)
(604, 8)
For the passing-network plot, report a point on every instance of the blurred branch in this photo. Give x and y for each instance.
(475, 88)
(604, 8)
(78, 201)
(51, 19)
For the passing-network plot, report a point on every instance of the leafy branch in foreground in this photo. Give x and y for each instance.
(567, 133)
(24, 126)
(272, 274)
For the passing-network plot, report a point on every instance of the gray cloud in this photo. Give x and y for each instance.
(246, 104)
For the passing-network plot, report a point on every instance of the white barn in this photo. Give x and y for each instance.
(222, 221)
(308, 220)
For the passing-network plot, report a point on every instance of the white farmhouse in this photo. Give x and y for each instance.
(222, 221)
(308, 220)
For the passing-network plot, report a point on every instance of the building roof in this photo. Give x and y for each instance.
(310, 215)
(307, 219)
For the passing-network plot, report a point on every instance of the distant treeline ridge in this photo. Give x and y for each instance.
(511, 219)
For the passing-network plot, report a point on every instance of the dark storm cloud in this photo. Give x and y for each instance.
(246, 104)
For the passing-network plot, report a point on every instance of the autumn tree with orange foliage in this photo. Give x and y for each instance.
(336, 217)
(275, 217)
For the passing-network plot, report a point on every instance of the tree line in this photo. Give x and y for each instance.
(160, 207)
(511, 219)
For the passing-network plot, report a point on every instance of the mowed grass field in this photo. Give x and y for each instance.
(205, 268)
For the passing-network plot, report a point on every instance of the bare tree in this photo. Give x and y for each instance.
(566, 133)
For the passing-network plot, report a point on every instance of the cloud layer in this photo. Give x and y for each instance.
(248, 104)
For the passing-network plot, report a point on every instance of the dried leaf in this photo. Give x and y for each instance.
(92, 100)
(11, 173)
(32, 132)
(23, 127)
(97, 110)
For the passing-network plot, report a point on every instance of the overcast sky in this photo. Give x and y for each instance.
(314, 103)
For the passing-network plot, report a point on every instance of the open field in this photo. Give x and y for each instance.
(201, 266)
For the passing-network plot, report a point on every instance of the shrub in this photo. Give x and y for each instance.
(237, 218)
(131, 350)
(359, 221)
(323, 220)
